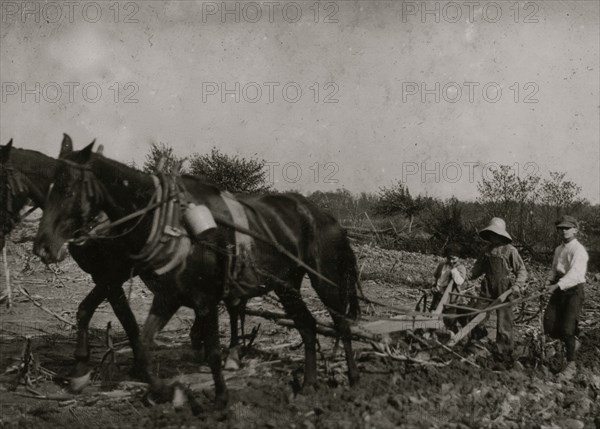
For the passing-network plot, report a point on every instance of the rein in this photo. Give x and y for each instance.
(171, 199)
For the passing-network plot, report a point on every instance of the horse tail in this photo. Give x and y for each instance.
(352, 283)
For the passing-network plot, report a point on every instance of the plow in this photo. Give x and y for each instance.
(409, 321)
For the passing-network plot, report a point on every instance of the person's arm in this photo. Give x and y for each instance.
(518, 268)
(437, 274)
(459, 274)
(477, 270)
(552, 274)
(577, 269)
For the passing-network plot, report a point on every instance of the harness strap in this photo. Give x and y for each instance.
(167, 245)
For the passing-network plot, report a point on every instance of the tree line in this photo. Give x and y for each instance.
(529, 204)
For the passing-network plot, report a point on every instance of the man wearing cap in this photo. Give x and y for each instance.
(565, 282)
(499, 259)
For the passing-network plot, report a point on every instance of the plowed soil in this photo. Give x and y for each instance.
(436, 389)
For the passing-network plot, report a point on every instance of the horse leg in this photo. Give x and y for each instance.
(336, 307)
(210, 333)
(197, 340)
(121, 308)
(305, 323)
(343, 327)
(161, 311)
(236, 312)
(338, 264)
(80, 376)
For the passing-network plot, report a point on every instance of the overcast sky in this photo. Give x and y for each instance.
(367, 113)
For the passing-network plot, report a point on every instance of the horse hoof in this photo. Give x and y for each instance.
(231, 364)
(77, 384)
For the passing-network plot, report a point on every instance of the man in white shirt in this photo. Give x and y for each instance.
(565, 282)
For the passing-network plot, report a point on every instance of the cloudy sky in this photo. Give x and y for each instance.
(338, 94)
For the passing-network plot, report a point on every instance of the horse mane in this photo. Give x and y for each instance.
(32, 162)
(203, 180)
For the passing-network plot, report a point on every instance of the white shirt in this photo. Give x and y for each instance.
(570, 262)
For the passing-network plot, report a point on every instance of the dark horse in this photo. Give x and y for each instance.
(304, 241)
(26, 175)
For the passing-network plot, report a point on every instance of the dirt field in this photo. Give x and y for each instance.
(441, 391)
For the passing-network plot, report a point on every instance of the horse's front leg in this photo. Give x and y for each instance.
(210, 333)
(162, 309)
(80, 376)
(120, 305)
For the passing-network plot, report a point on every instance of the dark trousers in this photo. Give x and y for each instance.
(495, 283)
(562, 314)
(504, 319)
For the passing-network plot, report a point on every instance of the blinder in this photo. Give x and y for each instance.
(91, 188)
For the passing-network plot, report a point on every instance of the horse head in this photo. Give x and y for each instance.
(71, 204)
(14, 192)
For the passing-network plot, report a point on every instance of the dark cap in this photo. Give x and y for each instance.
(567, 221)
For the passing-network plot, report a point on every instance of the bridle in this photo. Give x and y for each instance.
(92, 190)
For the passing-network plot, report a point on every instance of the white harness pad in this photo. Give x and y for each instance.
(242, 271)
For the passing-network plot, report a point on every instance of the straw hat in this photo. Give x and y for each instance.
(496, 226)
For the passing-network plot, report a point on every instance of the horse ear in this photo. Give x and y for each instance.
(66, 147)
(5, 152)
(100, 150)
(86, 152)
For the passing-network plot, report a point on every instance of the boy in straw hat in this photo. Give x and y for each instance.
(565, 282)
(497, 262)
